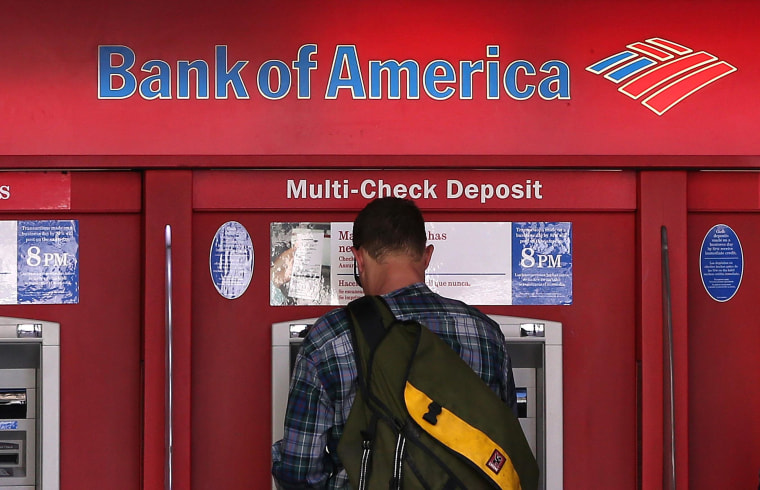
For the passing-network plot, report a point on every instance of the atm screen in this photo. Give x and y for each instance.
(12, 403)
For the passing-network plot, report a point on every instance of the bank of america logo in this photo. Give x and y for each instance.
(661, 73)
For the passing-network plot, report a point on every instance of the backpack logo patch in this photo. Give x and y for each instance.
(496, 461)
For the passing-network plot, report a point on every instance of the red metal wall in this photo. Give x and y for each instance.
(724, 368)
(101, 369)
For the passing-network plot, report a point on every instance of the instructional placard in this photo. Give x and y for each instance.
(542, 263)
(39, 262)
(721, 263)
(231, 260)
(481, 263)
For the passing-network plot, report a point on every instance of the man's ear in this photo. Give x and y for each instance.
(427, 255)
(358, 257)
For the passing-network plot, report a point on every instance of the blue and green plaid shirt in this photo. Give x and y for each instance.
(323, 386)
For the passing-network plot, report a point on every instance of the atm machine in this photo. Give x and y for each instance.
(29, 404)
(535, 347)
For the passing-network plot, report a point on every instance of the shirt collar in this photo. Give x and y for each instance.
(416, 289)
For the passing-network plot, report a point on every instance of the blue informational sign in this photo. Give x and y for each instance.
(47, 256)
(231, 260)
(542, 263)
(721, 263)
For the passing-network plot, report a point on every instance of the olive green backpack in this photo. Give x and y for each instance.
(422, 418)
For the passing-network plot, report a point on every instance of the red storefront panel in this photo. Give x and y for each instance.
(232, 344)
(724, 400)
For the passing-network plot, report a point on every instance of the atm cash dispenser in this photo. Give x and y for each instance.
(535, 347)
(29, 404)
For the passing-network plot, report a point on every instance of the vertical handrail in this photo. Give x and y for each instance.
(168, 471)
(668, 333)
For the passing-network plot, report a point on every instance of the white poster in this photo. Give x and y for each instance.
(342, 273)
(8, 263)
(471, 262)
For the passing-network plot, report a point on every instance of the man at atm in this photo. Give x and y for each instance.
(391, 255)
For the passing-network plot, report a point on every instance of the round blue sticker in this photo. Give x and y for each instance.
(231, 260)
(721, 263)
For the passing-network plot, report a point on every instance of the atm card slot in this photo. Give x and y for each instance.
(10, 456)
(9, 459)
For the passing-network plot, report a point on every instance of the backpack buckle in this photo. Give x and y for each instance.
(434, 410)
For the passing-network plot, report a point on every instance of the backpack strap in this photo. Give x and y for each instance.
(364, 314)
(366, 318)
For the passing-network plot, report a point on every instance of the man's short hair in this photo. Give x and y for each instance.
(390, 225)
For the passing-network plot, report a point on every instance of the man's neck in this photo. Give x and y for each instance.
(398, 272)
